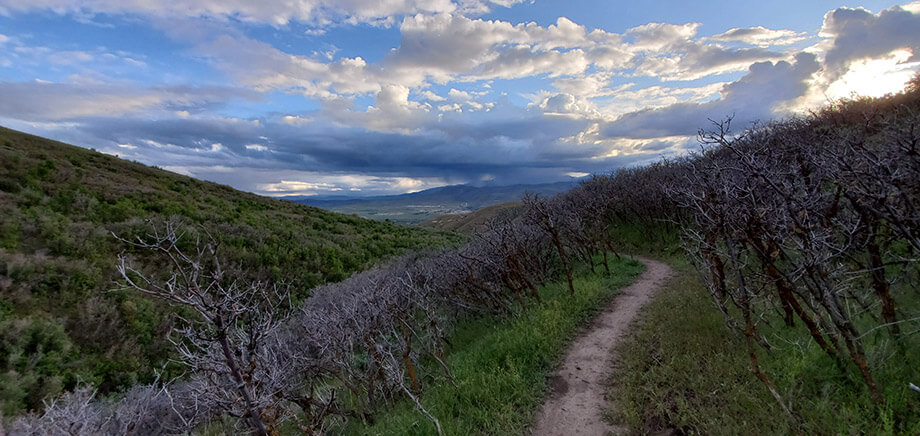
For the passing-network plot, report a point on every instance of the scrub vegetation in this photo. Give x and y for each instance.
(797, 308)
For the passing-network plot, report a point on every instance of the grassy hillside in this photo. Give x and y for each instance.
(59, 206)
(469, 223)
(682, 370)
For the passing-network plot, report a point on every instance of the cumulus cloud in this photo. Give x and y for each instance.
(855, 34)
(631, 97)
(588, 85)
(264, 67)
(671, 52)
(440, 46)
(569, 104)
(392, 111)
(751, 98)
(448, 47)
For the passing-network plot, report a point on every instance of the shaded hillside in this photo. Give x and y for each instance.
(420, 206)
(472, 222)
(59, 206)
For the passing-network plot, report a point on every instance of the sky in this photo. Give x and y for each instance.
(372, 97)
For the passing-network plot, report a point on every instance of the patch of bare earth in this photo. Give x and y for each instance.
(580, 385)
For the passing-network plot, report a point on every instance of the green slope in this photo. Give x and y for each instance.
(473, 222)
(60, 204)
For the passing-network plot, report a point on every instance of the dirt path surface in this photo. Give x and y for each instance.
(579, 385)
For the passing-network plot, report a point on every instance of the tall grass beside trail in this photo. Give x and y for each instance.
(500, 366)
(682, 369)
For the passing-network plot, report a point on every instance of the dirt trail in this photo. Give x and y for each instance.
(579, 385)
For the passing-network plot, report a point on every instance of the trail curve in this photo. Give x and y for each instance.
(579, 385)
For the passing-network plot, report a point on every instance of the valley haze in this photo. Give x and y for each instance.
(421, 206)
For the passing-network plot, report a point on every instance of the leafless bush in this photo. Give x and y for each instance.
(813, 216)
(143, 410)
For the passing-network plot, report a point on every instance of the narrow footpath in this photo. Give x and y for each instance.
(579, 396)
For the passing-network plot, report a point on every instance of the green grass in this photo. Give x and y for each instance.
(683, 369)
(59, 206)
(500, 366)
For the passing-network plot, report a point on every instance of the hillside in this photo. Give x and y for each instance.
(424, 205)
(471, 222)
(60, 205)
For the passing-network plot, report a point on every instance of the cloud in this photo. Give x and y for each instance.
(630, 97)
(318, 13)
(856, 34)
(760, 36)
(564, 104)
(588, 86)
(872, 77)
(392, 111)
(319, 183)
(457, 95)
(446, 47)
(659, 36)
(95, 61)
(671, 52)
(431, 96)
(295, 120)
(441, 46)
(274, 12)
(265, 68)
(44, 101)
(751, 98)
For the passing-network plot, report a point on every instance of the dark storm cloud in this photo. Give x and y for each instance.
(521, 145)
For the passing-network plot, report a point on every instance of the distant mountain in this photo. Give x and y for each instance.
(424, 205)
